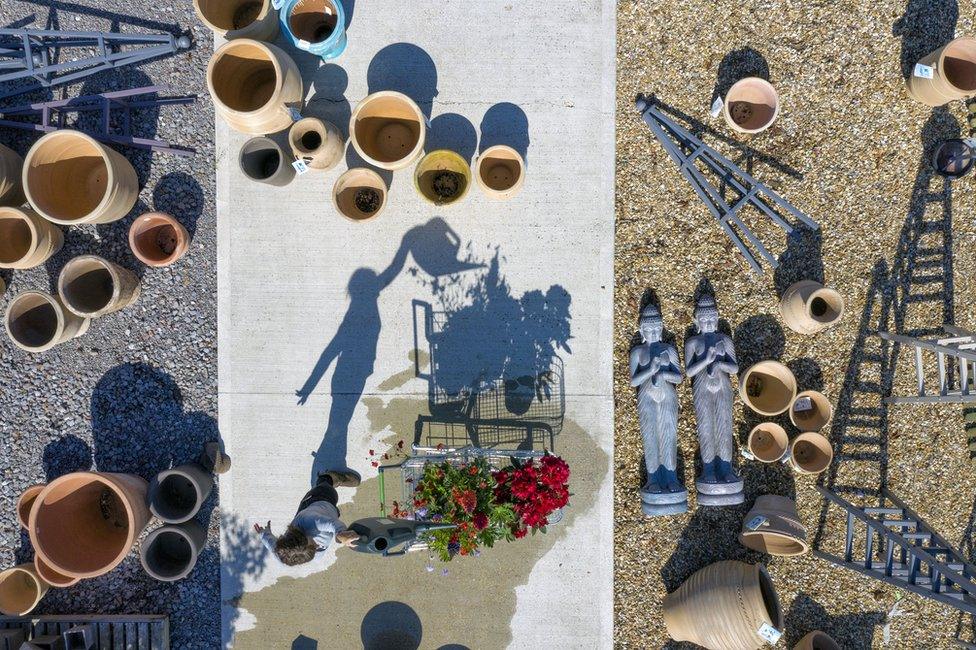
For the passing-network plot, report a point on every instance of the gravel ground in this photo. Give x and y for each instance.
(849, 149)
(138, 392)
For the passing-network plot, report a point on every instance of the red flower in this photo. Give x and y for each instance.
(467, 499)
(375, 464)
(480, 521)
(472, 470)
(520, 532)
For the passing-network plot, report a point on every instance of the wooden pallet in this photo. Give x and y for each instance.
(140, 632)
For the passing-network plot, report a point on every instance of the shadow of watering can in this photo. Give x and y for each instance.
(380, 535)
(435, 248)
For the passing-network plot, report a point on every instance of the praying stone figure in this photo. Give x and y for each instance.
(654, 371)
(710, 363)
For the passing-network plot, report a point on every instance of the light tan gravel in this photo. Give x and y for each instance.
(854, 139)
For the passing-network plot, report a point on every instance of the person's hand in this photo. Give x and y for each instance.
(302, 396)
(348, 538)
(712, 354)
(259, 530)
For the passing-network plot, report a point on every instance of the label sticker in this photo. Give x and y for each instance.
(803, 404)
(717, 106)
(300, 166)
(769, 634)
(756, 522)
(295, 113)
(924, 71)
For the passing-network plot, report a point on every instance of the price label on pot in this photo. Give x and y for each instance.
(924, 71)
(769, 634)
(717, 106)
(756, 522)
(300, 166)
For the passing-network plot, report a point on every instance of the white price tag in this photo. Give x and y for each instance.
(924, 71)
(295, 113)
(769, 634)
(300, 166)
(717, 106)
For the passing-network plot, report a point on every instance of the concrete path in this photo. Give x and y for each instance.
(311, 303)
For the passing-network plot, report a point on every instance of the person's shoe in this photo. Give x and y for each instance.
(344, 478)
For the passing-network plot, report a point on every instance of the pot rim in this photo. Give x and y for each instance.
(350, 172)
(748, 535)
(758, 365)
(410, 157)
(942, 58)
(812, 394)
(269, 49)
(728, 116)
(319, 127)
(265, 10)
(40, 586)
(71, 580)
(778, 429)
(819, 293)
(18, 213)
(158, 481)
(810, 436)
(487, 154)
(166, 219)
(58, 310)
(151, 537)
(108, 266)
(447, 153)
(29, 494)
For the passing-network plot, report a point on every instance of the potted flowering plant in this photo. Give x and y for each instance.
(535, 490)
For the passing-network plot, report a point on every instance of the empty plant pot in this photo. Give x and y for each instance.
(359, 194)
(264, 161)
(26, 239)
(388, 130)
(767, 387)
(52, 577)
(232, 19)
(85, 523)
(37, 321)
(158, 239)
(316, 142)
(816, 640)
(20, 590)
(810, 411)
(442, 177)
(723, 607)
(808, 307)
(810, 453)
(170, 553)
(768, 442)
(177, 494)
(954, 158)
(70, 178)
(316, 26)
(11, 168)
(772, 526)
(253, 84)
(500, 172)
(947, 74)
(25, 502)
(751, 105)
(91, 286)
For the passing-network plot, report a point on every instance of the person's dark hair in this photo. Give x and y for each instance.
(294, 547)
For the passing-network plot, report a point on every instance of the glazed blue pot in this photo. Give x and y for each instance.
(315, 26)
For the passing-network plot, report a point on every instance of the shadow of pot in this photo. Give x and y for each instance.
(11, 168)
(751, 105)
(808, 307)
(157, 239)
(318, 143)
(359, 194)
(768, 387)
(91, 286)
(500, 172)
(20, 590)
(952, 70)
(233, 19)
(176, 495)
(768, 442)
(442, 177)
(37, 321)
(169, 553)
(388, 130)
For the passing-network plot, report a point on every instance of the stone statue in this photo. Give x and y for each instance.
(655, 371)
(710, 363)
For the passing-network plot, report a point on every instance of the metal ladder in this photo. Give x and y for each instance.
(960, 348)
(688, 152)
(916, 558)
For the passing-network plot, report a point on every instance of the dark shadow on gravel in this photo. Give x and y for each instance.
(115, 19)
(850, 631)
(808, 374)
(758, 338)
(925, 26)
(736, 65)
(181, 196)
(802, 259)
(65, 455)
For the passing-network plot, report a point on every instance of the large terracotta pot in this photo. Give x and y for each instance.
(26, 239)
(70, 178)
(158, 239)
(253, 86)
(36, 322)
(768, 387)
(388, 130)
(808, 307)
(232, 19)
(91, 286)
(85, 523)
(500, 172)
(318, 143)
(810, 453)
(816, 640)
(772, 526)
(11, 168)
(814, 418)
(768, 442)
(20, 590)
(26, 501)
(953, 73)
(442, 177)
(170, 553)
(751, 105)
(723, 607)
(348, 194)
(52, 577)
(177, 494)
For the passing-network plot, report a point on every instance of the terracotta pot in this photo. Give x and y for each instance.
(316, 142)
(91, 286)
(810, 453)
(500, 172)
(158, 239)
(264, 161)
(85, 523)
(810, 411)
(26, 501)
(52, 577)
(723, 606)
(176, 495)
(253, 84)
(388, 130)
(170, 553)
(20, 590)
(36, 322)
(442, 177)
(349, 187)
(751, 105)
(26, 239)
(768, 442)
(767, 387)
(816, 640)
(232, 19)
(772, 526)
(953, 73)
(70, 178)
(808, 307)
(11, 169)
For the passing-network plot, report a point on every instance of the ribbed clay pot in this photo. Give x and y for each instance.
(170, 553)
(442, 177)
(52, 577)
(85, 523)
(26, 239)
(808, 307)
(772, 526)
(20, 590)
(232, 19)
(810, 453)
(352, 197)
(11, 169)
(158, 239)
(176, 494)
(814, 418)
(388, 130)
(723, 606)
(953, 73)
(500, 172)
(37, 321)
(318, 143)
(70, 178)
(264, 161)
(768, 442)
(767, 387)
(252, 85)
(751, 105)
(817, 640)
(26, 501)
(91, 286)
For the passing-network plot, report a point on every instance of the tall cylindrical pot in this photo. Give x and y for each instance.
(808, 307)
(11, 185)
(318, 143)
(500, 172)
(768, 442)
(773, 526)
(811, 411)
(176, 495)
(442, 177)
(723, 607)
(232, 19)
(170, 553)
(26, 501)
(817, 640)
(20, 590)
(316, 26)
(751, 105)
(26, 239)
(388, 130)
(945, 75)
(91, 286)
(359, 194)
(264, 161)
(158, 239)
(70, 178)
(36, 322)
(53, 577)
(767, 387)
(810, 453)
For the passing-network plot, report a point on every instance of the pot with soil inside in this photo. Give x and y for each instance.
(20, 590)
(316, 142)
(388, 130)
(811, 411)
(176, 495)
(26, 239)
(25, 502)
(767, 387)
(11, 169)
(751, 105)
(91, 286)
(158, 239)
(442, 177)
(808, 307)
(37, 321)
(170, 553)
(810, 453)
(768, 442)
(500, 172)
(232, 19)
(947, 74)
(359, 194)
(773, 526)
(316, 26)
(264, 161)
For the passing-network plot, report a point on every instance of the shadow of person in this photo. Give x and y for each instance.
(328, 101)
(302, 642)
(66, 455)
(391, 625)
(925, 26)
(507, 124)
(453, 132)
(180, 195)
(738, 64)
(407, 69)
